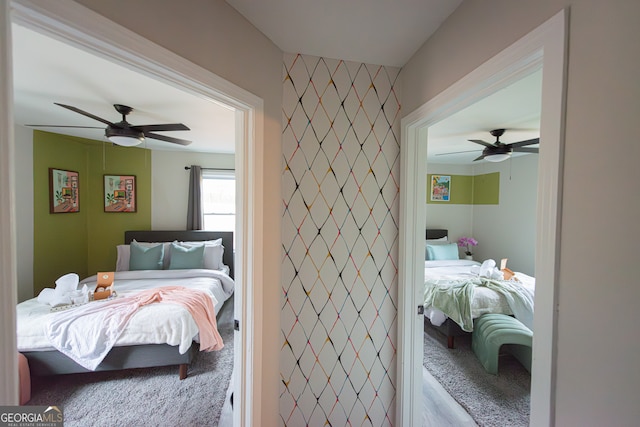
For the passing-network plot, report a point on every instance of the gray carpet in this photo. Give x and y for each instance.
(148, 396)
(492, 400)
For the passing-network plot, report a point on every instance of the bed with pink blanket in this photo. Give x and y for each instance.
(159, 317)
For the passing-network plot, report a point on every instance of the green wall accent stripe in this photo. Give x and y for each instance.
(83, 242)
(470, 190)
(486, 189)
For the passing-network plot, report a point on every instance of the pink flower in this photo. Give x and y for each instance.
(467, 242)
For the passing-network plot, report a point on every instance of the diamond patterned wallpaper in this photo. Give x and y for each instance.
(340, 185)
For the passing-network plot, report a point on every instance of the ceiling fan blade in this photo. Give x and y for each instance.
(525, 150)
(63, 126)
(164, 127)
(167, 138)
(457, 152)
(479, 158)
(84, 113)
(479, 141)
(523, 143)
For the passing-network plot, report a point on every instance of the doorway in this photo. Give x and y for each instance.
(83, 28)
(544, 45)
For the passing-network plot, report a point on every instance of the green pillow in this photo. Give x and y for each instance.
(186, 257)
(145, 257)
(442, 252)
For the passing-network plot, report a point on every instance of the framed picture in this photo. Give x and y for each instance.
(64, 191)
(120, 193)
(441, 188)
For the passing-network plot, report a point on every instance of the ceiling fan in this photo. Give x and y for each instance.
(125, 134)
(498, 151)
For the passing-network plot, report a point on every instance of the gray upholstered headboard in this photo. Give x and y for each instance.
(436, 233)
(186, 236)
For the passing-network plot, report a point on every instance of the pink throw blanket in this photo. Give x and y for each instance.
(199, 305)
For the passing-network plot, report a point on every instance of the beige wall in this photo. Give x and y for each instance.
(212, 34)
(597, 374)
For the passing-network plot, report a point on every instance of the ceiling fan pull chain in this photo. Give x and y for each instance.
(510, 167)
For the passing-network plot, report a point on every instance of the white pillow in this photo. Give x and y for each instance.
(213, 251)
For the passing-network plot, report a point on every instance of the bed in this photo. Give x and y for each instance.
(451, 271)
(144, 342)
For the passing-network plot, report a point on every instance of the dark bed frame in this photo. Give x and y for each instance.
(138, 356)
(449, 328)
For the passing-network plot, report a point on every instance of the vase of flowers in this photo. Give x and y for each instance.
(467, 243)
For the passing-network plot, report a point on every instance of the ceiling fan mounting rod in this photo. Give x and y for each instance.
(124, 110)
(497, 133)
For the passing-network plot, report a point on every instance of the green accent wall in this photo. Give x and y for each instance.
(470, 190)
(60, 240)
(486, 189)
(83, 242)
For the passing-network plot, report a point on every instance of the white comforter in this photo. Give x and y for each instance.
(484, 301)
(163, 323)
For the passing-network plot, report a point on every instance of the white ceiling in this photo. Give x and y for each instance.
(374, 32)
(386, 33)
(515, 108)
(48, 71)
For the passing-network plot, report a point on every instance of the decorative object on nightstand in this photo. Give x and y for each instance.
(467, 243)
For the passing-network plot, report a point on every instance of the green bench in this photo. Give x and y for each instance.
(492, 331)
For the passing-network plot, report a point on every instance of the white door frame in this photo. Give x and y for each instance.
(8, 266)
(79, 26)
(543, 47)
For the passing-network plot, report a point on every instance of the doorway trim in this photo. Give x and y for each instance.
(545, 45)
(77, 25)
(8, 266)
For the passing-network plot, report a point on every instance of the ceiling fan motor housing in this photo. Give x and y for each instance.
(498, 149)
(126, 132)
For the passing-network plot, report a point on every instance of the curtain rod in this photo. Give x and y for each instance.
(210, 169)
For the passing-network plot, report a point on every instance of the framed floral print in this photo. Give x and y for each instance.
(120, 193)
(64, 191)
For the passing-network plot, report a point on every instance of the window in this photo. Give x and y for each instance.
(219, 200)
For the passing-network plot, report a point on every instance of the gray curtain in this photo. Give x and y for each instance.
(195, 217)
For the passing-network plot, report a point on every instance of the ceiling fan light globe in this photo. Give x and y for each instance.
(126, 141)
(498, 157)
(126, 137)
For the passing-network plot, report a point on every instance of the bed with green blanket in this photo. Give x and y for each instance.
(455, 295)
